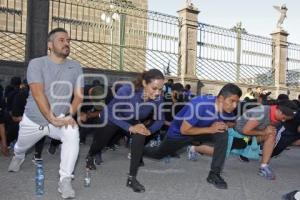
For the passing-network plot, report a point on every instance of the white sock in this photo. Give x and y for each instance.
(193, 148)
(263, 165)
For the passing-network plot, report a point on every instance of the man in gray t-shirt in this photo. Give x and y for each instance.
(261, 122)
(53, 81)
(59, 80)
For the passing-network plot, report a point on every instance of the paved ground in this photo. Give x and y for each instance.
(178, 180)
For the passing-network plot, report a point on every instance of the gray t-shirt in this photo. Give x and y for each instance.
(59, 82)
(260, 113)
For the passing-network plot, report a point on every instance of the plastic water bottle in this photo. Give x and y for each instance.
(87, 178)
(39, 178)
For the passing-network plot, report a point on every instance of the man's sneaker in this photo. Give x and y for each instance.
(266, 172)
(290, 195)
(15, 164)
(90, 163)
(52, 149)
(65, 188)
(216, 180)
(36, 159)
(98, 159)
(192, 155)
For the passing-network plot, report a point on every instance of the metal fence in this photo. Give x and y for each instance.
(117, 35)
(233, 55)
(13, 29)
(293, 65)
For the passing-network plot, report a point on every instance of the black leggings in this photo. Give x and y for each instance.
(104, 136)
(39, 146)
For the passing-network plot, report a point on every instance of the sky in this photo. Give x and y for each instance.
(257, 16)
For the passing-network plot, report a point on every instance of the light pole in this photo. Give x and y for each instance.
(117, 12)
(122, 40)
(110, 18)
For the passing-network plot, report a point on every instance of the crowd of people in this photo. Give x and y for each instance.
(54, 102)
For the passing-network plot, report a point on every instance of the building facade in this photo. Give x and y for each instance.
(104, 34)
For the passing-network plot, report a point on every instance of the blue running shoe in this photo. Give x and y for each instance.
(266, 172)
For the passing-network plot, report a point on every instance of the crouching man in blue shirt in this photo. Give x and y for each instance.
(202, 120)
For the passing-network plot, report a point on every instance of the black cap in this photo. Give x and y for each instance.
(283, 97)
(288, 107)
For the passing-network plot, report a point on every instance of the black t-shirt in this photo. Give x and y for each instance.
(10, 98)
(2, 110)
(88, 105)
(172, 109)
(292, 125)
(19, 102)
(1, 91)
(109, 95)
(7, 90)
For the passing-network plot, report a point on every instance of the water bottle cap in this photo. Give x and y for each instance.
(39, 162)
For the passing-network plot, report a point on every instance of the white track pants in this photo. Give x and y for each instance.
(30, 133)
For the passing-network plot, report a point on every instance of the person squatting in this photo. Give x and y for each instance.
(142, 110)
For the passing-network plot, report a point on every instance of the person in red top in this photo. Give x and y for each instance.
(261, 121)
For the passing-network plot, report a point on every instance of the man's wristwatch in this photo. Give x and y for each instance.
(68, 114)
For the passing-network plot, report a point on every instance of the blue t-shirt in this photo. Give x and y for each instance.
(199, 112)
(128, 108)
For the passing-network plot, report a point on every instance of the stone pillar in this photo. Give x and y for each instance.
(188, 45)
(37, 28)
(279, 59)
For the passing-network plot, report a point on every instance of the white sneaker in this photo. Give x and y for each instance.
(191, 154)
(15, 164)
(65, 188)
